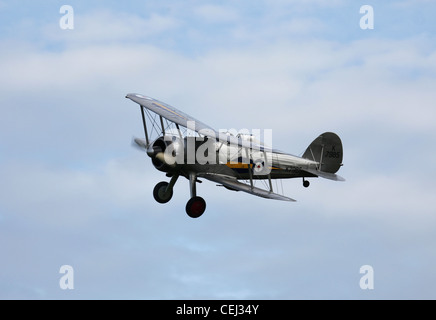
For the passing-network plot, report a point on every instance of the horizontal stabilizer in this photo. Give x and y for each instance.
(325, 175)
(234, 184)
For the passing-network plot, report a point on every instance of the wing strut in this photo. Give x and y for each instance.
(162, 125)
(249, 169)
(178, 129)
(145, 125)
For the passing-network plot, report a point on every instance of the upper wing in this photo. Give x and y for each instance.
(232, 183)
(168, 112)
(174, 115)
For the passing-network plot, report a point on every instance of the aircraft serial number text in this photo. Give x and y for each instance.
(332, 154)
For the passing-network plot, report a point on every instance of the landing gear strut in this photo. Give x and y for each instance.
(306, 183)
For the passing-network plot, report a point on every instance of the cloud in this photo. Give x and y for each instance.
(408, 3)
(387, 84)
(216, 14)
(310, 3)
(71, 196)
(105, 26)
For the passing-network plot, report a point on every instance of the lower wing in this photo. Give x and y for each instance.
(234, 184)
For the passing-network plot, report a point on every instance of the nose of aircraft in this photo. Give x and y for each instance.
(152, 151)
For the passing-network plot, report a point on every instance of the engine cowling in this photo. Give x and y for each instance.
(165, 152)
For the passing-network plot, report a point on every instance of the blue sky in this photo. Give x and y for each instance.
(74, 191)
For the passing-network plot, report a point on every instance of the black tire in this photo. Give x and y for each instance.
(306, 183)
(159, 192)
(195, 207)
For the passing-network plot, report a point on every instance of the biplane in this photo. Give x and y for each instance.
(179, 145)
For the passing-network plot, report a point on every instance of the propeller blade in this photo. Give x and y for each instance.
(139, 144)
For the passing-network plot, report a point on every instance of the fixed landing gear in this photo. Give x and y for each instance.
(163, 192)
(306, 183)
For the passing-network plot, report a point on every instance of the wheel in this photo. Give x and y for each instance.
(259, 168)
(306, 183)
(159, 193)
(195, 207)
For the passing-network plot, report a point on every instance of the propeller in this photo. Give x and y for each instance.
(152, 152)
(139, 144)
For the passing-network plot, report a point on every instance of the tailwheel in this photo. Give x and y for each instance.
(195, 207)
(306, 183)
(161, 194)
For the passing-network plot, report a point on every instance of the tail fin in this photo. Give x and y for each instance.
(327, 151)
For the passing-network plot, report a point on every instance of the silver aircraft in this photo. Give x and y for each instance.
(180, 145)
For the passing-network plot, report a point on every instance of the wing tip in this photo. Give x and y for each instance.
(132, 96)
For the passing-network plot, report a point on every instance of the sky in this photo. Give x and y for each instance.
(74, 192)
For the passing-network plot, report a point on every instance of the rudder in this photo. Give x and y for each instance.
(327, 151)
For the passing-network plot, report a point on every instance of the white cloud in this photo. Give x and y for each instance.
(410, 3)
(308, 88)
(307, 3)
(106, 26)
(216, 14)
(73, 197)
